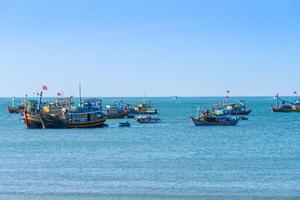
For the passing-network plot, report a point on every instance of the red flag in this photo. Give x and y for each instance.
(59, 94)
(45, 87)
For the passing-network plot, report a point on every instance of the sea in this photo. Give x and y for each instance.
(257, 159)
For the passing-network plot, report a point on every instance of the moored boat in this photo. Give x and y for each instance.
(286, 106)
(31, 115)
(238, 108)
(115, 110)
(86, 115)
(146, 108)
(213, 118)
(13, 108)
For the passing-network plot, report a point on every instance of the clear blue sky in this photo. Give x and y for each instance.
(169, 47)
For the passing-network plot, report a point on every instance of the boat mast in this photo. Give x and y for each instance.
(295, 96)
(80, 99)
(40, 100)
(13, 101)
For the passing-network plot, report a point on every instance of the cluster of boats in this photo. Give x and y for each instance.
(88, 113)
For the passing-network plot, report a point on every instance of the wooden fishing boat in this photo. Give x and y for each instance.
(145, 109)
(204, 121)
(286, 106)
(215, 118)
(116, 110)
(31, 115)
(13, 108)
(87, 115)
(148, 119)
(17, 109)
(33, 121)
(238, 108)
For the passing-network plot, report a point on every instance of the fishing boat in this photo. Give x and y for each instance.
(286, 106)
(146, 108)
(31, 115)
(13, 108)
(131, 111)
(83, 115)
(115, 110)
(147, 119)
(215, 118)
(238, 108)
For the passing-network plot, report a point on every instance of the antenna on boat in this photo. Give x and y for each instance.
(295, 96)
(145, 93)
(80, 99)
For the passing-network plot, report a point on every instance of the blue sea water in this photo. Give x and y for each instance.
(258, 159)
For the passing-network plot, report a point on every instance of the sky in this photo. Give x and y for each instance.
(166, 47)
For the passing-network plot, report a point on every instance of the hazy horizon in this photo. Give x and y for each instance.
(120, 48)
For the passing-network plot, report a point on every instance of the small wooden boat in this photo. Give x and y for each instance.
(286, 106)
(116, 115)
(124, 124)
(148, 119)
(116, 110)
(214, 121)
(31, 115)
(17, 109)
(145, 109)
(215, 118)
(238, 108)
(13, 108)
(33, 121)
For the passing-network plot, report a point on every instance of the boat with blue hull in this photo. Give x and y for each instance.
(215, 118)
(236, 108)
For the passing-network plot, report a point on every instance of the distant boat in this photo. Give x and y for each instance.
(146, 108)
(285, 106)
(238, 108)
(13, 108)
(115, 110)
(211, 118)
(174, 97)
(147, 119)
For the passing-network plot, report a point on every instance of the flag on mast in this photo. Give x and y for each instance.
(45, 87)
